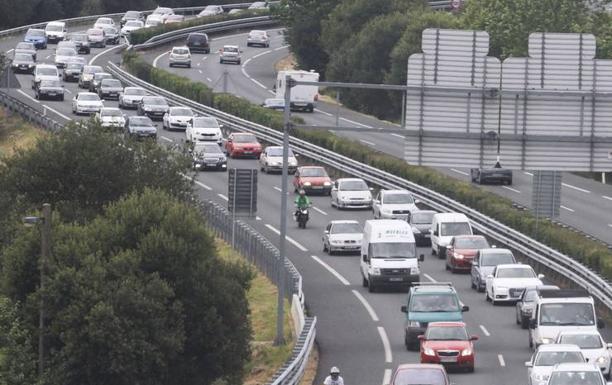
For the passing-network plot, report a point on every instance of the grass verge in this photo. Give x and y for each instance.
(16, 133)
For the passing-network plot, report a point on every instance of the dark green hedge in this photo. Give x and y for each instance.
(566, 241)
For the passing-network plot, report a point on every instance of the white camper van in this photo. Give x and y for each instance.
(389, 254)
(303, 97)
(444, 227)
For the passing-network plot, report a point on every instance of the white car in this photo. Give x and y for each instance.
(131, 96)
(546, 357)
(211, 10)
(204, 129)
(63, 56)
(230, 53)
(351, 193)
(507, 282)
(163, 13)
(111, 117)
(592, 345)
(44, 72)
(86, 103)
(153, 21)
(177, 118)
(180, 56)
(96, 37)
(130, 26)
(271, 159)
(576, 374)
(258, 37)
(174, 19)
(342, 236)
(394, 204)
(259, 5)
(55, 31)
(104, 22)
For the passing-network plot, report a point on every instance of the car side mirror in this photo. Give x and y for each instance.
(609, 345)
(326, 231)
(417, 201)
(422, 258)
(435, 233)
(528, 364)
(404, 309)
(490, 276)
(600, 324)
(474, 338)
(532, 323)
(421, 337)
(465, 308)
(474, 263)
(365, 258)
(540, 276)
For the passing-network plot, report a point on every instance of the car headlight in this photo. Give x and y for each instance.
(307, 184)
(458, 256)
(602, 360)
(335, 242)
(541, 377)
(414, 270)
(414, 324)
(326, 184)
(466, 352)
(429, 352)
(375, 271)
(547, 340)
(146, 108)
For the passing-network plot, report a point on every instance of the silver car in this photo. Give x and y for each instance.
(180, 56)
(72, 71)
(63, 56)
(25, 47)
(96, 37)
(111, 34)
(230, 54)
(258, 37)
(485, 262)
(49, 89)
(131, 97)
(394, 204)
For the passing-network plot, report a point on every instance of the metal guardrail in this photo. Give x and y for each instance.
(29, 113)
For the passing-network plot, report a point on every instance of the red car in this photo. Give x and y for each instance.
(448, 344)
(313, 179)
(242, 144)
(421, 374)
(461, 250)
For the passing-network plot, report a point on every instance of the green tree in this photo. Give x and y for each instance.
(17, 358)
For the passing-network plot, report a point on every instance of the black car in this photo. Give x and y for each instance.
(155, 107)
(72, 71)
(110, 89)
(140, 127)
(198, 42)
(81, 41)
(208, 155)
(420, 221)
(23, 62)
(112, 35)
(495, 174)
(49, 89)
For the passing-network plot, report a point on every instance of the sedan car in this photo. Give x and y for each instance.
(96, 37)
(174, 19)
(420, 221)
(86, 103)
(420, 374)
(49, 89)
(23, 62)
(102, 22)
(448, 344)
(131, 97)
(271, 160)
(259, 5)
(63, 56)
(312, 179)
(461, 250)
(155, 107)
(162, 13)
(211, 10)
(94, 85)
(507, 282)
(177, 118)
(204, 129)
(484, 263)
(576, 374)
(44, 72)
(140, 127)
(525, 306)
(130, 26)
(351, 193)
(274, 104)
(37, 37)
(591, 344)
(394, 204)
(342, 236)
(491, 175)
(230, 54)
(546, 357)
(111, 34)
(81, 41)
(208, 155)
(242, 144)
(110, 89)
(25, 47)
(258, 37)
(131, 16)
(87, 75)
(111, 117)
(180, 56)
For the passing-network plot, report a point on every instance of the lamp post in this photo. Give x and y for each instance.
(45, 247)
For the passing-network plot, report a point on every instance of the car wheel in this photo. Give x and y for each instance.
(493, 301)
(324, 247)
(472, 285)
(62, 98)
(371, 286)
(440, 253)
(481, 287)
(530, 342)
(470, 369)
(446, 266)
(524, 323)
(364, 282)
(518, 317)
(487, 296)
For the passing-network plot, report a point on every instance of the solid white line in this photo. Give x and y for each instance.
(485, 331)
(606, 197)
(331, 270)
(93, 59)
(281, 47)
(261, 54)
(259, 84)
(244, 73)
(159, 57)
(575, 188)
(386, 344)
(354, 122)
(528, 173)
(223, 197)
(459, 171)
(387, 377)
(278, 189)
(209, 79)
(28, 96)
(247, 61)
(10, 50)
(366, 304)
(319, 210)
(511, 189)
(567, 208)
(166, 138)
(323, 112)
(429, 277)
(57, 112)
(399, 136)
(500, 357)
(366, 142)
(202, 185)
(289, 239)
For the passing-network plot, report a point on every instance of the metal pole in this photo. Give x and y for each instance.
(403, 122)
(337, 107)
(225, 75)
(45, 243)
(234, 210)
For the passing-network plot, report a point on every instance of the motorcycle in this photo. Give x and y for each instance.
(301, 217)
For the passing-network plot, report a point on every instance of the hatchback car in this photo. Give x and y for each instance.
(49, 89)
(64, 55)
(204, 129)
(23, 62)
(312, 179)
(546, 357)
(177, 118)
(449, 344)
(576, 374)
(86, 103)
(110, 89)
(155, 107)
(111, 34)
(274, 104)
(211, 10)
(484, 263)
(130, 26)
(393, 204)
(208, 156)
(351, 193)
(271, 160)
(37, 37)
(87, 75)
(81, 41)
(420, 374)
(258, 37)
(230, 54)
(198, 42)
(180, 56)
(111, 117)
(242, 144)
(140, 127)
(102, 22)
(420, 221)
(96, 37)
(44, 72)
(131, 97)
(461, 250)
(25, 47)
(342, 236)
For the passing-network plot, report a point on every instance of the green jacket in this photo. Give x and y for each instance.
(302, 201)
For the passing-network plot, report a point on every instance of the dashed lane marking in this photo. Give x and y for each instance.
(399, 136)
(289, 239)
(528, 173)
(223, 197)
(367, 142)
(331, 270)
(511, 189)
(459, 171)
(575, 188)
(323, 112)
(200, 71)
(356, 123)
(202, 185)
(429, 277)
(567, 208)
(606, 197)
(209, 79)
(166, 138)
(367, 305)
(485, 331)
(319, 210)
(502, 363)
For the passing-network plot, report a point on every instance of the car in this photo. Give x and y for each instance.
(174, 19)
(526, 305)
(153, 21)
(242, 144)
(25, 47)
(87, 75)
(204, 129)
(461, 250)
(230, 54)
(96, 37)
(130, 26)
(393, 204)
(420, 221)
(63, 55)
(49, 89)
(23, 62)
(180, 56)
(342, 236)
(258, 37)
(271, 160)
(421, 374)
(66, 44)
(111, 34)
(235, 11)
(163, 13)
(86, 103)
(109, 89)
(131, 97)
(546, 357)
(131, 16)
(208, 155)
(140, 127)
(274, 104)
(576, 374)
(111, 117)
(211, 10)
(351, 193)
(103, 22)
(94, 84)
(198, 42)
(484, 263)
(55, 31)
(448, 344)
(37, 37)
(177, 118)
(77, 59)
(312, 179)
(44, 72)
(491, 175)
(81, 41)
(594, 349)
(507, 282)
(72, 71)
(155, 107)
(259, 5)
(427, 302)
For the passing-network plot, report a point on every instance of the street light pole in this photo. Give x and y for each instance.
(45, 242)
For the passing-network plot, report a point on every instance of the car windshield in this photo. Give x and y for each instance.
(313, 172)
(398, 199)
(258, 33)
(455, 228)
(24, 45)
(575, 378)
(162, 11)
(392, 250)
(23, 57)
(420, 376)
(104, 21)
(446, 333)
(133, 23)
(471, 243)
(35, 32)
(553, 358)
(346, 228)
(196, 38)
(92, 69)
(211, 8)
(278, 151)
(438, 302)
(584, 341)
(494, 259)
(230, 49)
(46, 71)
(89, 97)
(180, 51)
(579, 314)
(111, 83)
(54, 28)
(155, 101)
(50, 83)
(208, 148)
(135, 91)
(132, 14)
(110, 30)
(515, 272)
(102, 75)
(65, 52)
(110, 112)
(353, 185)
(245, 138)
(140, 121)
(422, 218)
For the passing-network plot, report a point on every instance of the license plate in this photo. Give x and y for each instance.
(211, 165)
(427, 235)
(52, 93)
(112, 94)
(316, 187)
(396, 279)
(448, 359)
(248, 152)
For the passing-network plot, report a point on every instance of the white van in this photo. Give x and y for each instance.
(444, 227)
(388, 254)
(55, 31)
(303, 97)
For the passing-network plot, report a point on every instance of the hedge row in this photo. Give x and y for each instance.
(589, 252)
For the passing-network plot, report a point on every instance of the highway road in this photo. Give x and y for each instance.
(358, 331)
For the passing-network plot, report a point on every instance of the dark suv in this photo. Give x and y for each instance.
(198, 42)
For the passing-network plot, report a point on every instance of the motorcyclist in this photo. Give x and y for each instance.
(334, 377)
(301, 201)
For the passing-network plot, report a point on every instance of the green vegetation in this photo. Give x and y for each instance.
(15, 133)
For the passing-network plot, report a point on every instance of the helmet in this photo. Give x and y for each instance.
(302, 192)
(334, 370)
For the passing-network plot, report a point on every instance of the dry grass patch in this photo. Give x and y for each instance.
(15, 133)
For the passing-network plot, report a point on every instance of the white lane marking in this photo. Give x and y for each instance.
(204, 58)
(57, 112)
(609, 224)
(272, 92)
(289, 239)
(429, 277)
(354, 122)
(247, 61)
(261, 54)
(319, 210)
(259, 84)
(323, 112)
(386, 344)
(399, 136)
(528, 173)
(511, 189)
(459, 171)
(331, 270)
(198, 64)
(202, 185)
(48, 56)
(245, 73)
(606, 197)
(258, 218)
(485, 331)
(278, 189)
(223, 197)
(281, 47)
(367, 305)
(166, 138)
(387, 377)
(200, 71)
(93, 59)
(500, 357)
(10, 50)
(567, 208)
(67, 90)
(575, 188)
(209, 79)
(366, 142)
(28, 96)
(159, 57)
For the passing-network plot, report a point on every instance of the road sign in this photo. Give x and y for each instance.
(546, 194)
(242, 192)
